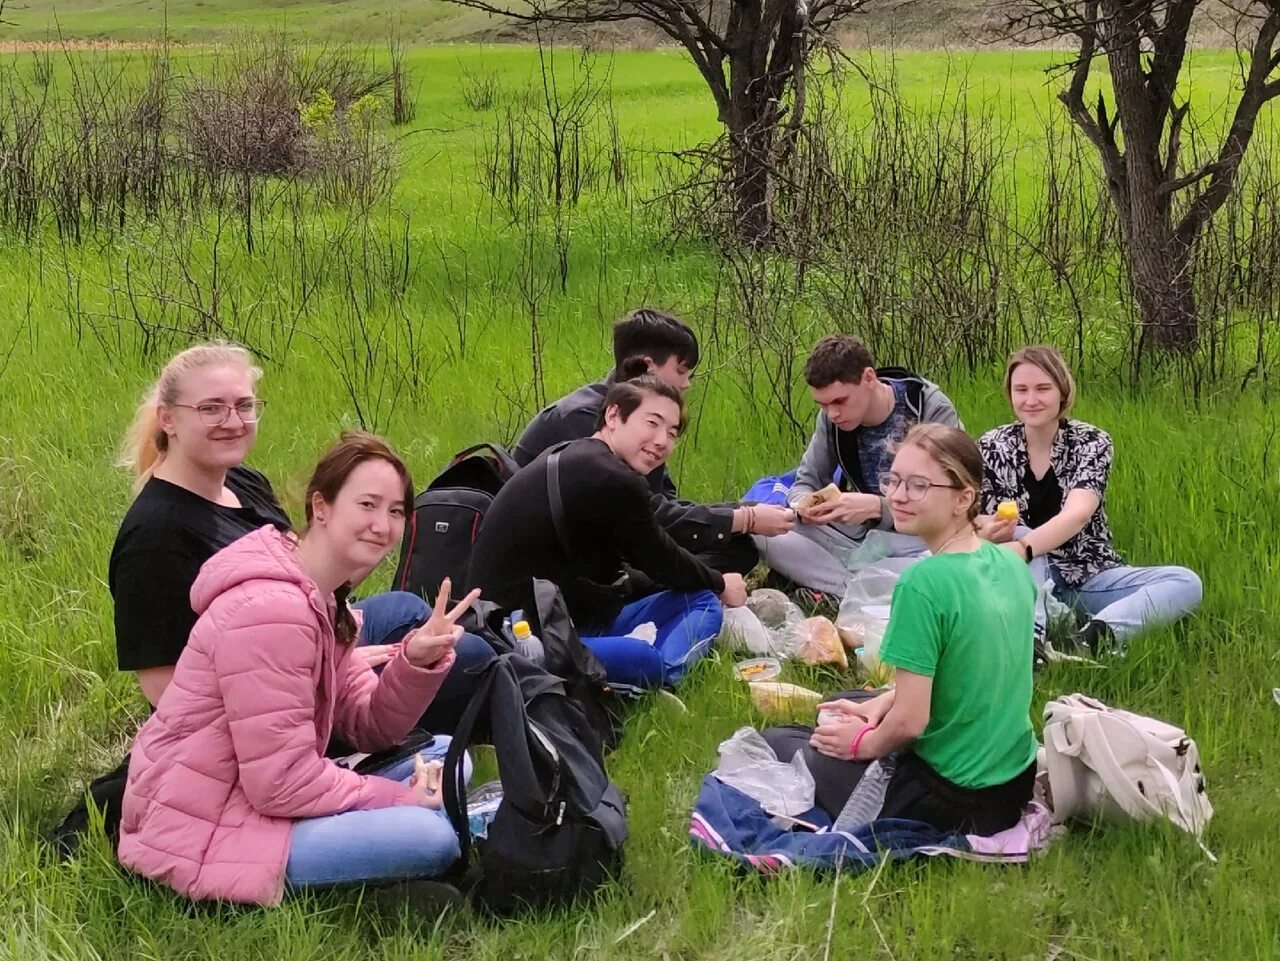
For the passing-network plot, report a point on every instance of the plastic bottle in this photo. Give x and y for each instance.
(527, 643)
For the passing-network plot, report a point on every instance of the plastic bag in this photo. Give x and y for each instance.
(782, 698)
(779, 616)
(887, 550)
(818, 642)
(749, 764)
(870, 587)
(742, 631)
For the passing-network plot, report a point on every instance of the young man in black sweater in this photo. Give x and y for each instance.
(610, 550)
(719, 534)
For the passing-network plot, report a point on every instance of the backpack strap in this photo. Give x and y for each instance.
(556, 498)
(454, 775)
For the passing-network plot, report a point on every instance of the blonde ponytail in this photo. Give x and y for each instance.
(146, 443)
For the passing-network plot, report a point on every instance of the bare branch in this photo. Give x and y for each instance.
(1258, 90)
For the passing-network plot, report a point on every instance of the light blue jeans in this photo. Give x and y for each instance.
(385, 844)
(1129, 600)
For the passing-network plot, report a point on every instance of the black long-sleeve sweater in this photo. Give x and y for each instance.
(609, 521)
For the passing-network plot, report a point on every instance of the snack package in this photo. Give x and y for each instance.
(818, 642)
(782, 699)
(811, 500)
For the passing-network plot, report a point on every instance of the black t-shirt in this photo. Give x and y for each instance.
(608, 521)
(1044, 497)
(165, 537)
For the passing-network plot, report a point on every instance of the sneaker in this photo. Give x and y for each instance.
(1095, 639)
(421, 899)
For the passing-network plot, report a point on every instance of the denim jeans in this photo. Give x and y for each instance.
(384, 844)
(687, 625)
(1129, 600)
(388, 617)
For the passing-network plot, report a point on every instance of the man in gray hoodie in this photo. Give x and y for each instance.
(863, 412)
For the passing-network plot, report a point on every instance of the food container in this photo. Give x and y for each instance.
(758, 669)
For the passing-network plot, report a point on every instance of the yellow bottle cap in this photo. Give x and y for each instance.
(521, 630)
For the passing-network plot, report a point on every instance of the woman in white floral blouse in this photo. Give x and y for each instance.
(1056, 470)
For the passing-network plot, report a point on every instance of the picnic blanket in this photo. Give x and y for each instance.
(727, 822)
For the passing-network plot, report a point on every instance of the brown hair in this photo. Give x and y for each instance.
(1053, 364)
(837, 357)
(955, 452)
(353, 448)
(628, 395)
(145, 443)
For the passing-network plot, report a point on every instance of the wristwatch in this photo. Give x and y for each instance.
(1027, 551)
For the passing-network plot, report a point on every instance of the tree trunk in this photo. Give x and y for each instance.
(1166, 301)
(750, 150)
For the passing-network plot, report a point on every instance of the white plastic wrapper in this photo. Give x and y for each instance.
(749, 764)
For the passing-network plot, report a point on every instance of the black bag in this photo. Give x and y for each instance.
(106, 793)
(559, 829)
(584, 678)
(446, 519)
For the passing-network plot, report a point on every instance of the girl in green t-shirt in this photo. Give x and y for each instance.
(960, 642)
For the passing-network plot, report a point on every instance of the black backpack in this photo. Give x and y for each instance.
(604, 705)
(446, 519)
(559, 829)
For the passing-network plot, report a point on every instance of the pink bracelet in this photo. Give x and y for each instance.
(857, 739)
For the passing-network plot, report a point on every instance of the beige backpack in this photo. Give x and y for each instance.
(1102, 761)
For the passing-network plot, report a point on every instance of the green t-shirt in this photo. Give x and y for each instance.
(966, 620)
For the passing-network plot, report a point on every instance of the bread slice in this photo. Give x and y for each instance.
(815, 498)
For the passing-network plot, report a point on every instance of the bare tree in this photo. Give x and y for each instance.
(752, 55)
(1163, 203)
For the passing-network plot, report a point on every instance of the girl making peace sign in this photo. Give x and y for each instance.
(230, 796)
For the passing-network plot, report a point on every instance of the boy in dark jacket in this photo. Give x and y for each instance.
(607, 530)
(719, 534)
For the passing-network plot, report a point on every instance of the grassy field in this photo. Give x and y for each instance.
(1192, 484)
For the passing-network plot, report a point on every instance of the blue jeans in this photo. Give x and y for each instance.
(687, 625)
(1129, 600)
(389, 617)
(384, 844)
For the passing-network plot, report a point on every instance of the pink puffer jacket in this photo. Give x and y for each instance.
(234, 752)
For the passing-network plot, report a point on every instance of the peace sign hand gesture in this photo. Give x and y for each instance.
(432, 644)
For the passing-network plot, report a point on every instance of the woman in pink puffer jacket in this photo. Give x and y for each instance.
(229, 795)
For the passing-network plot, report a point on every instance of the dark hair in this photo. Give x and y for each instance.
(837, 357)
(646, 332)
(353, 448)
(628, 395)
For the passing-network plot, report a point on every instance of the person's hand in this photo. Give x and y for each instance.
(375, 655)
(836, 737)
(849, 508)
(435, 640)
(872, 710)
(425, 783)
(769, 520)
(735, 591)
(992, 528)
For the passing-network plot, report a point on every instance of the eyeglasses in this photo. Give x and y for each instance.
(215, 415)
(917, 487)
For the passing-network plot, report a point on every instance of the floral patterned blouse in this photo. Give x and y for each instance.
(1081, 459)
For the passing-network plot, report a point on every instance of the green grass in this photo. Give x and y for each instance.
(1192, 484)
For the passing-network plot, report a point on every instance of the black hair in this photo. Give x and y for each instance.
(646, 332)
(837, 357)
(628, 395)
